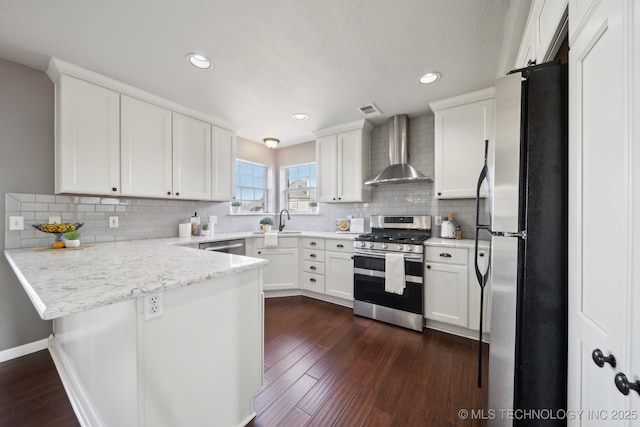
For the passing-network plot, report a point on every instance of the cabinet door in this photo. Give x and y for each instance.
(349, 167)
(282, 270)
(191, 158)
(460, 137)
(446, 293)
(145, 149)
(474, 293)
(326, 159)
(87, 139)
(224, 160)
(339, 275)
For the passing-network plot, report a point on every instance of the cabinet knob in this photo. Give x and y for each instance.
(428, 267)
(445, 255)
(339, 198)
(177, 194)
(334, 198)
(623, 384)
(259, 252)
(600, 359)
(168, 193)
(439, 194)
(114, 189)
(312, 280)
(481, 254)
(313, 243)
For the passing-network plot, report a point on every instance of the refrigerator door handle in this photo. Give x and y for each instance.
(482, 278)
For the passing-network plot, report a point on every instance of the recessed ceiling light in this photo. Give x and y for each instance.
(300, 116)
(429, 78)
(199, 61)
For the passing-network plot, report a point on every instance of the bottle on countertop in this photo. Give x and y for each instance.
(195, 225)
(458, 233)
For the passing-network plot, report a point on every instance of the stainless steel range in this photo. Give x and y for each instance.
(394, 244)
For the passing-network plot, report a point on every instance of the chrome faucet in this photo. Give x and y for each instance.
(281, 222)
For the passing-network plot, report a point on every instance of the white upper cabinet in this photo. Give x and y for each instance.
(546, 26)
(145, 146)
(87, 141)
(343, 157)
(462, 124)
(224, 160)
(191, 158)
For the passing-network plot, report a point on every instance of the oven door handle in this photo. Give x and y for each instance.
(407, 257)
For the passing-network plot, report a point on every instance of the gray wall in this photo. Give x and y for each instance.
(26, 165)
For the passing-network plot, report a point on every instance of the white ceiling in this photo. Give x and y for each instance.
(272, 58)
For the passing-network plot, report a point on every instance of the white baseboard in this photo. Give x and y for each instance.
(23, 350)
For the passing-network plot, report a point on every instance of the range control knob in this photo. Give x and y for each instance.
(410, 248)
(362, 244)
(385, 246)
(399, 247)
(370, 245)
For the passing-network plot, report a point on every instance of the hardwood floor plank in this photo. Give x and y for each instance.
(377, 418)
(285, 402)
(295, 418)
(358, 407)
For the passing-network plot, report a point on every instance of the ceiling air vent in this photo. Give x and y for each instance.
(370, 110)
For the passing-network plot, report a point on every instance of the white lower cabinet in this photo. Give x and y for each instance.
(339, 274)
(446, 293)
(313, 267)
(452, 292)
(282, 271)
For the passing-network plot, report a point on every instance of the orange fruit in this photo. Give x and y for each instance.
(58, 245)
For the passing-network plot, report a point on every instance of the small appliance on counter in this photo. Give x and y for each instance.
(357, 225)
(343, 225)
(449, 228)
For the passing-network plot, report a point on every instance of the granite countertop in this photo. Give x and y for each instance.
(71, 281)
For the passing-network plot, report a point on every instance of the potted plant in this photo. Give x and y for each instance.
(313, 207)
(205, 229)
(72, 239)
(235, 206)
(266, 223)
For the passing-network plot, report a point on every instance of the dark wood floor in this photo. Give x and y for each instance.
(326, 367)
(323, 367)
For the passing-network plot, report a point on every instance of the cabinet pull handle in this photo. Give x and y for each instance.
(312, 280)
(312, 243)
(481, 254)
(313, 255)
(313, 267)
(114, 189)
(624, 385)
(600, 359)
(445, 255)
(339, 246)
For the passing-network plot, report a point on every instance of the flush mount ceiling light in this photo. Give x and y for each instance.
(429, 78)
(300, 116)
(271, 142)
(199, 61)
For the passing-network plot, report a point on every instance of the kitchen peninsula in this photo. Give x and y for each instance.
(151, 333)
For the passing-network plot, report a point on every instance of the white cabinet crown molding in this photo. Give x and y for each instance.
(463, 99)
(359, 124)
(58, 66)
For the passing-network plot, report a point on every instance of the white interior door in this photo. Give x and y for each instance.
(600, 261)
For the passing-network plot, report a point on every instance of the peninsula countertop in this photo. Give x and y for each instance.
(63, 282)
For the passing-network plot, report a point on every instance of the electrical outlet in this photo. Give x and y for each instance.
(113, 222)
(438, 219)
(16, 223)
(153, 306)
(213, 219)
(55, 220)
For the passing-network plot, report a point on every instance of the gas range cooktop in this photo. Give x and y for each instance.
(404, 238)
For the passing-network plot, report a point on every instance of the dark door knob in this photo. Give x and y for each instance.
(600, 359)
(624, 385)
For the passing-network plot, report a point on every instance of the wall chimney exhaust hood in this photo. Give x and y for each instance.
(399, 170)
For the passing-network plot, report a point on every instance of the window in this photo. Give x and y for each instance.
(299, 187)
(251, 186)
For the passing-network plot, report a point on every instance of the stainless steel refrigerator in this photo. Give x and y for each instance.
(528, 198)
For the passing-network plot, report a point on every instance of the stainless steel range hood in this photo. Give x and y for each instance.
(399, 170)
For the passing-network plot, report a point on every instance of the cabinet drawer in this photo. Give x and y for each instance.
(313, 255)
(338, 245)
(446, 255)
(313, 282)
(283, 242)
(313, 267)
(312, 243)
